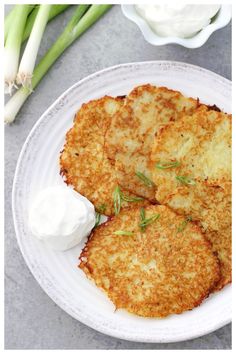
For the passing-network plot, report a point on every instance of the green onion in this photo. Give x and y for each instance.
(97, 219)
(142, 214)
(9, 20)
(54, 11)
(100, 210)
(145, 179)
(143, 224)
(118, 197)
(117, 200)
(125, 233)
(13, 45)
(183, 225)
(73, 30)
(126, 198)
(28, 60)
(142, 217)
(167, 165)
(185, 180)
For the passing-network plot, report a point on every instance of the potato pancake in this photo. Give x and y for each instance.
(222, 245)
(131, 133)
(210, 206)
(191, 164)
(151, 262)
(192, 150)
(83, 161)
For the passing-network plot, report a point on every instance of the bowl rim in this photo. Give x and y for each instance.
(223, 17)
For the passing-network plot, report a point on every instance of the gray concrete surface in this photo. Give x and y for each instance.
(32, 320)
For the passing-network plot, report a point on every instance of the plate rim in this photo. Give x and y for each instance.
(105, 330)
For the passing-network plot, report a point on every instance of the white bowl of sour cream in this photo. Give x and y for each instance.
(186, 25)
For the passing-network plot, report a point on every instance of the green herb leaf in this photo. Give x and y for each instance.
(184, 224)
(142, 217)
(185, 180)
(117, 199)
(126, 198)
(166, 165)
(142, 214)
(97, 220)
(100, 210)
(145, 179)
(143, 224)
(123, 233)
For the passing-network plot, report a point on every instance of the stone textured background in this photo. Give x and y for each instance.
(32, 320)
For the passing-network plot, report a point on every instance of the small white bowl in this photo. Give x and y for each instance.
(221, 19)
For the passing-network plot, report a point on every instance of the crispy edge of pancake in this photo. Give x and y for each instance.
(84, 148)
(144, 308)
(83, 161)
(224, 254)
(212, 212)
(121, 155)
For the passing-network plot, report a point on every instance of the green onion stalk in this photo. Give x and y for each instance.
(83, 17)
(10, 18)
(54, 11)
(29, 56)
(13, 46)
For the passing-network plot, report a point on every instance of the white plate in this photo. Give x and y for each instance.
(37, 168)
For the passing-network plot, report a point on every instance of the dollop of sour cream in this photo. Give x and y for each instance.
(61, 217)
(177, 20)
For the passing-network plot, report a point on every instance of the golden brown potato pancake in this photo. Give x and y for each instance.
(210, 206)
(129, 138)
(164, 269)
(194, 149)
(222, 245)
(191, 165)
(83, 161)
